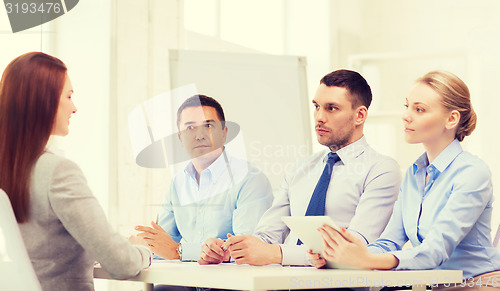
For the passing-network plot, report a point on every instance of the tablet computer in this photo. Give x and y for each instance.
(306, 228)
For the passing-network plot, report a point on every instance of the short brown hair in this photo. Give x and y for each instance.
(356, 85)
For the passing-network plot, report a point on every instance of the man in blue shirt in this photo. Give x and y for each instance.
(216, 194)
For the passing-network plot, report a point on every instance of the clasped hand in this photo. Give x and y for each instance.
(245, 249)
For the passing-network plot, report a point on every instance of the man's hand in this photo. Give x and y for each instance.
(160, 242)
(212, 252)
(248, 249)
(316, 260)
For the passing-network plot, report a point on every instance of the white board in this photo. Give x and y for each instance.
(265, 95)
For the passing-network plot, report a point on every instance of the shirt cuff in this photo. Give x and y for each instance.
(375, 249)
(405, 257)
(294, 255)
(146, 256)
(359, 235)
(190, 251)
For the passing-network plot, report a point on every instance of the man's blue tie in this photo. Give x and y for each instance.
(317, 203)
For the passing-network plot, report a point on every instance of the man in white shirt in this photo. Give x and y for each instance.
(360, 193)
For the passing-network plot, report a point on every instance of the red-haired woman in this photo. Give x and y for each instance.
(62, 224)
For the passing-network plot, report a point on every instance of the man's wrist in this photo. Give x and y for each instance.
(277, 257)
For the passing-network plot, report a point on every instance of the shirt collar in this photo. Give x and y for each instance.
(215, 170)
(443, 160)
(350, 152)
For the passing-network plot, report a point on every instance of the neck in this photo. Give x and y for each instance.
(354, 138)
(433, 149)
(201, 163)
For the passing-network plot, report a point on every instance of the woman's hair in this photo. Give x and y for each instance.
(455, 96)
(30, 90)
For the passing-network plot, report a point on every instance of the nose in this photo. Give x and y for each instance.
(201, 133)
(406, 116)
(319, 116)
(74, 107)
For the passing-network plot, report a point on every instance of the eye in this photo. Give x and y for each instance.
(405, 106)
(190, 127)
(316, 106)
(209, 125)
(330, 108)
(419, 110)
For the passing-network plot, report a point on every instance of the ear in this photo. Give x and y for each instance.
(453, 119)
(179, 136)
(224, 133)
(361, 115)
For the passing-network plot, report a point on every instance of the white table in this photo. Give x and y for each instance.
(272, 277)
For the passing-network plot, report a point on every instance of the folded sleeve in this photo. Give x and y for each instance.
(294, 255)
(271, 228)
(166, 217)
(254, 198)
(376, 203)
(394, 236)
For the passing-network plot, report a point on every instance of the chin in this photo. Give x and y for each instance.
(200, 153)
(411, 141)
(61, 133)
(323, 141)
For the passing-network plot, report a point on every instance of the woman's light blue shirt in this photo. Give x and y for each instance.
(447, 220)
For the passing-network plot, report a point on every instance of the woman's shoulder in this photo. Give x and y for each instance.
(51, 163)
(471, 163)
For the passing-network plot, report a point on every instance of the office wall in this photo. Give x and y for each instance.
(116, 54)
(450, 27)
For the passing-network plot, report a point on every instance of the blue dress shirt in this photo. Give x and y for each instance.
(231, 197)
(446, 220)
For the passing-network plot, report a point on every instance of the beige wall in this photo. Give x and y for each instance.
(467, 28)
(117, 56)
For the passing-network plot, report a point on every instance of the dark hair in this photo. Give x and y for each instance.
(454, 96)
(30, 90)
(356, 85)
(201, 100)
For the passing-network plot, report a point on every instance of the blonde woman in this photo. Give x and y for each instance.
(445, 202)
